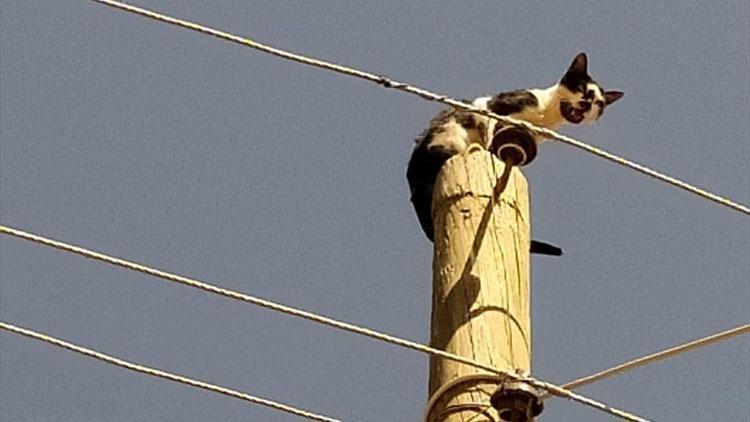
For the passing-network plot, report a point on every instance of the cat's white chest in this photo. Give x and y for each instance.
(547, 114)
(541, 117)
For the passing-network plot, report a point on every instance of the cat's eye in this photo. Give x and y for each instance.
(599, 103)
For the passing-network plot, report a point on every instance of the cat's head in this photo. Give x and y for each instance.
(581, 99)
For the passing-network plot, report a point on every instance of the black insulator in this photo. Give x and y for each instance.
(514, 145)
(517, 402)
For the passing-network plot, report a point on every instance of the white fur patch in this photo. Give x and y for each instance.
(547, 115)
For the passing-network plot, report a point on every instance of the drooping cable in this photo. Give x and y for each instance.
(549, 387)
(431, 96)
(164, 374)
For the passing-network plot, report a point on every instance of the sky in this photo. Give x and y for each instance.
(214, 161)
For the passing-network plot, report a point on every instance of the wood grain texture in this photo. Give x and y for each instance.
(480, 278)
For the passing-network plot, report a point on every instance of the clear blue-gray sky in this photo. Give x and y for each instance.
(215, 161)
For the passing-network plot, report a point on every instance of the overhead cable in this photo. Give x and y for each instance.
(654, 357)
(549, 387)
(164, 374)
(431, 96)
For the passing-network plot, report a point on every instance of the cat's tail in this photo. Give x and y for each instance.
(543, 248)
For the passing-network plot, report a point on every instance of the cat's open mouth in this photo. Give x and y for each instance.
(571, 113)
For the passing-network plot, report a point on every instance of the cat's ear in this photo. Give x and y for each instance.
(579, 65)
(612, 96)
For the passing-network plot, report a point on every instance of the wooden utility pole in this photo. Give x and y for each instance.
(480, 299)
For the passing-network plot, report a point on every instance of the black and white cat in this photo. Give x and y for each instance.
(575, 99)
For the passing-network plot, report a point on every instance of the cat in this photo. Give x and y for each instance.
(575, 99)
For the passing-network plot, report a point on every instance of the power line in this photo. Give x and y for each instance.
(430, 96)
(550, 388)
(164, 374)
(388, 83)
(645, 360)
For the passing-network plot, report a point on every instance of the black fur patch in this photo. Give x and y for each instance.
(507, 103)
(612, 96)
(577, 75)
(424, 166)
(576, 82)
(426, 161)
(570, 113)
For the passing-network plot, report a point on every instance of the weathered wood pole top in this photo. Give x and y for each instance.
(480, 279)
